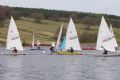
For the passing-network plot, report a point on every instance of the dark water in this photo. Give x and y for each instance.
(43, 66)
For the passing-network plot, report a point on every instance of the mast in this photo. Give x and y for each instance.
(33, 41)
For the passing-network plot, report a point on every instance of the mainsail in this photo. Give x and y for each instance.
(53, 44)
(72, 37)
(104, 40)
(59, 37)
(13, 37)
(38, 43)
(62, 46)
(113, 36)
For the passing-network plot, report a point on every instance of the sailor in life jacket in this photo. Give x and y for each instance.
(52, 48)
(38, 44)
(105, 51)
(14, 50)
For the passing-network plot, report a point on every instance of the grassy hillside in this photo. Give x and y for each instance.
(45, 32)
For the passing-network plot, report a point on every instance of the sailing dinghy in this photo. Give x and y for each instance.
(105, 40)
(33, 47)
(33, 43)
(13, 40)
(71, 41)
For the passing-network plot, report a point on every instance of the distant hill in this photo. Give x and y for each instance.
(57, 15)
(45, 23)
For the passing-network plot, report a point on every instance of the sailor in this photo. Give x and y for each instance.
(14, 50)
(105, 51)
(32, 44)
(38, 44)
(116, 48)
(52, 48)
(71, 50)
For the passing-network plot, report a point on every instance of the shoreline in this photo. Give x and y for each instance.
(81, 44)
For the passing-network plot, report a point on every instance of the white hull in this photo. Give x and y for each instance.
(10, 53)
(107, 55)
(100, 54)
(36, 49)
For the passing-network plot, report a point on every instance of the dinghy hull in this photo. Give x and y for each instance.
(13, 54)
(68, 53)
(106, 55)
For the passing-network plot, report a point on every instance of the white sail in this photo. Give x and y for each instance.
(104, 39)
(13, 37)
(38, 43)
(59, 37)
(99, 38)
(72, 37)
(113, 36)
(53, 44)
(33, 41)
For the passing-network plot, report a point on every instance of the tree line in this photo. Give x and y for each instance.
(89, 19)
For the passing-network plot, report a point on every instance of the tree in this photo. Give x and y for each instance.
(74, 17)
(56, 18)
(88, 37)
(57, 33)
(24, 42)
(88, 21)
(15, 14)
(37, 17)
(2, 18)
(6, 10)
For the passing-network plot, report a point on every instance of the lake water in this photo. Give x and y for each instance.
(43, 66)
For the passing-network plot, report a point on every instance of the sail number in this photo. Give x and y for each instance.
(15, 38)
(107, 39)
(74, 37)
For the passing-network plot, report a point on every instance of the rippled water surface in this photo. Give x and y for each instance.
(43, 66)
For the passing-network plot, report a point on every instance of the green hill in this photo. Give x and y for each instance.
(46, 31)
(46, 23)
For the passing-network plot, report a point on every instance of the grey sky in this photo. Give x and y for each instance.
(94, 6)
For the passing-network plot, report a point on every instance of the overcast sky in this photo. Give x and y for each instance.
(94, 6)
